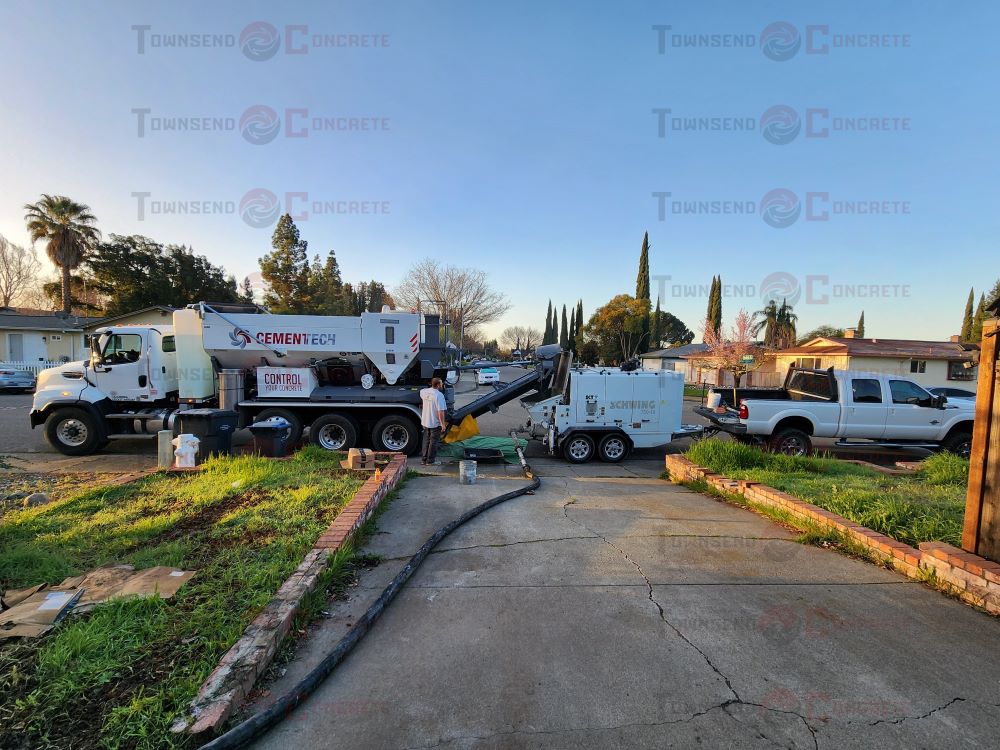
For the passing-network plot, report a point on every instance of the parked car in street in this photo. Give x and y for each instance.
(16, 380)
(856, 408)
(953, 393)
(487, 376)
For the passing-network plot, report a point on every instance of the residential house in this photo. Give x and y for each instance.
(929, 363)
(35, 338)
(672, 358)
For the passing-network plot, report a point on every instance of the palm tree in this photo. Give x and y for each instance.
(69, 231)
(768, 322)
(784, 335)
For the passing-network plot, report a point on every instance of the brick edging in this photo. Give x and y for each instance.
(971, 578)
(229, 684)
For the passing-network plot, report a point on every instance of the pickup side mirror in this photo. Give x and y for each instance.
(938, 402)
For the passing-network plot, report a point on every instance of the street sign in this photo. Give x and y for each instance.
(747, 359)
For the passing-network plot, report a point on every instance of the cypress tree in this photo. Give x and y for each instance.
(579, 317)
(564, 330)
(966, 334)
(547, 336)
(861, 325)
(977, 320)
(642, 291)
(717, 313)
(571, 344)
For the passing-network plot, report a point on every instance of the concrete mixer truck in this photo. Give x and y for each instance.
(352, 380)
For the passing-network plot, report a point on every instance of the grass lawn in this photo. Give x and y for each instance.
(118, 677)
(695, 391)
(925, 507)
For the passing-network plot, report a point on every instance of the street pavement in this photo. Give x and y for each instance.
(626, 612)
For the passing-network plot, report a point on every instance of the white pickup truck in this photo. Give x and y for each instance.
(855, 408)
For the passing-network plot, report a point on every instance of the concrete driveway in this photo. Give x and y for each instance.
(626, 612)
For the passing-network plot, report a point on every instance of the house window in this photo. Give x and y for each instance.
(918, 366)
(959, 371)
(808, 363)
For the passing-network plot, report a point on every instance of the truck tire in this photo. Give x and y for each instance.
(334, 432)
(397, 434)
(73, 432)
(578, 448)
(791, 442)
(959, 443)
(294, 432)
(612, 448)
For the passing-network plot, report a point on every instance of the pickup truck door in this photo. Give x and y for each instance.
(865, 410)
(910, 415)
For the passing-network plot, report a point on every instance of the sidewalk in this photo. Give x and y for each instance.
(617, 612)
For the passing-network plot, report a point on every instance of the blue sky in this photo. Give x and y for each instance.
(521, 138)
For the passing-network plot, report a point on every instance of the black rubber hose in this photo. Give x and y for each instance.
(259, 723)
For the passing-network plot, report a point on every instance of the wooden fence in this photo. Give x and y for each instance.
(981, 535)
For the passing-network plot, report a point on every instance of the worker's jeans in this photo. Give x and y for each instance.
(431, 437)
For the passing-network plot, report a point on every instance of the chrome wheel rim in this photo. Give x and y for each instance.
(395, 437)
(332, 437)
(579, 449)
(614, 448)
(72, 432)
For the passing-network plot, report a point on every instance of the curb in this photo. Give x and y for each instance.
(973, 579)
(227, 687)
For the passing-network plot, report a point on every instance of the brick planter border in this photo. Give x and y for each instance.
(229, 684)
(973, 579)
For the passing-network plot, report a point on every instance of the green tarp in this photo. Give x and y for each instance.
(457, 450)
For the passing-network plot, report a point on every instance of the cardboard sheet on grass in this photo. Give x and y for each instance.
(503, 444)
(32, 611)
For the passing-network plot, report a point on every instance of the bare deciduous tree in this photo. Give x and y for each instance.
(465, 292)
(19, 269)
(524, 338)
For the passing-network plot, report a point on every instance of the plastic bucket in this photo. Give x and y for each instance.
(466, 472)
(714, 399)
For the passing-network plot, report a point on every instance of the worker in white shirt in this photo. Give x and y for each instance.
(432, 419)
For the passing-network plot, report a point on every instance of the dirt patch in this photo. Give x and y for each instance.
(17, 485)
(210, 515)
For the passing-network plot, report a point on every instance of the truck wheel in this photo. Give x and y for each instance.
(612, 448)
(333, 432)
(294, 432)
(73, 432)
(578, 449)
(959, 443)
(396, 434)
(791, 442)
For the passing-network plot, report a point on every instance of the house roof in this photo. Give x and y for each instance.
(675, 352)
(49, 322)
(888, 348)
(110, 320)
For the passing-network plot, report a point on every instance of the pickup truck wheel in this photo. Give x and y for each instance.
(334, 432)
(612, 448)
(72, 432)
(578, 449)
(959, 443)
(294, 432)
(396, 434)
(791, 442)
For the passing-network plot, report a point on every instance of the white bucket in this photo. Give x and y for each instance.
(714, 399)
(466, 472)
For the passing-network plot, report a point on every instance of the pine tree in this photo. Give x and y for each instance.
(977, 320)
(861, 326)
(966, 334)
(564, 330)
(286, 269)
(656, 335)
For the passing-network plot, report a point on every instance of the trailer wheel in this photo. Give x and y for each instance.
(396, 434)
(612, 448)
(333, 432)
(73, 432)
(791, 442)
(294, 432)
(578, 449)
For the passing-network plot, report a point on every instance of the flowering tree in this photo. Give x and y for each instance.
(736, 353)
